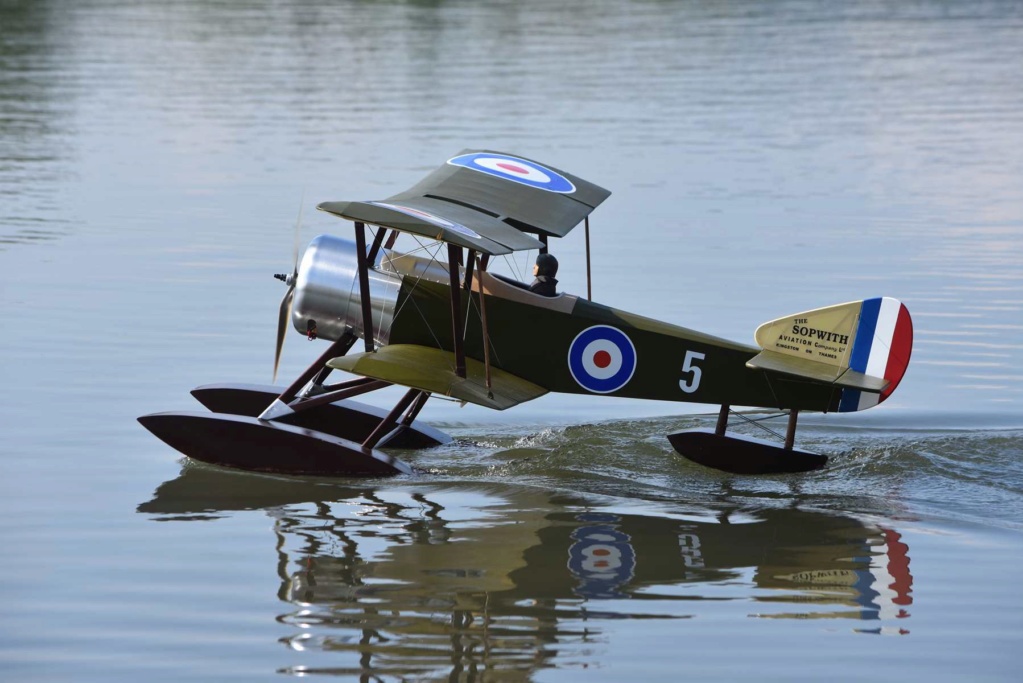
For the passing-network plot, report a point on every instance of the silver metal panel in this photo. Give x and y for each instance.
(327, 291)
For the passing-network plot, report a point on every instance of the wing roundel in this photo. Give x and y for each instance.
(488, 201)
(519, 192)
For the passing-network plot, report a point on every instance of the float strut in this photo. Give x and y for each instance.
(722, 424)
(355, 387)
(413, 411)
(340, 347)
(319, 367)
(389, 422)
(790, 435)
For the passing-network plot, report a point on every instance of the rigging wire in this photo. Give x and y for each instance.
(479, 317)
(756, 422)
(513, 265)
(418, 279)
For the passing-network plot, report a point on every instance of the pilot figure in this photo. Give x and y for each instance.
(545, 269)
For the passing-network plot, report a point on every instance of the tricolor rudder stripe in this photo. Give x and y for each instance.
(881, 348)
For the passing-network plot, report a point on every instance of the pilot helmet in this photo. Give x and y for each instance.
(546, 265)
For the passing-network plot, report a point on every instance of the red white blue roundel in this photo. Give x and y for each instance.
(429, 218)
(602, 359)
(513, 168)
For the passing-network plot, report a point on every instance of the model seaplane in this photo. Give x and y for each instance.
(456, 329)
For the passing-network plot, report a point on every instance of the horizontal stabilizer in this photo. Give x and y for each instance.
(813, 370)
(433, 370)
(863, 346)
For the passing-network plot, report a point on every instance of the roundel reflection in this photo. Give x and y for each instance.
(601, 557)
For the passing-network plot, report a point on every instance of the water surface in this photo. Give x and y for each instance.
(763, 159)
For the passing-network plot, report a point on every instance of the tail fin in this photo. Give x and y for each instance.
(863, 346)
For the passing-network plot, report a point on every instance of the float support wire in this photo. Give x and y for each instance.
(756, 423)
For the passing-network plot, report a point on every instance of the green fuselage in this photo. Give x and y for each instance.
(533, 341)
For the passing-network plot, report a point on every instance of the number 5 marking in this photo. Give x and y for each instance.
(687, 366)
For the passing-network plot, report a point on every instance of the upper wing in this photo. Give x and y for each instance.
(437, 220)
(484, 200)
(433, 370)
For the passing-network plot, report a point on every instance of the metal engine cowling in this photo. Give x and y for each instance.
(327, 291)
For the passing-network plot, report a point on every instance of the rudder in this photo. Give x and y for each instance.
(873, 337)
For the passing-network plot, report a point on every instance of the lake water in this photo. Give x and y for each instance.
(765, 158)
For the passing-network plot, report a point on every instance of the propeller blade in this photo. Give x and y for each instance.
(285, 312)
(282, 325)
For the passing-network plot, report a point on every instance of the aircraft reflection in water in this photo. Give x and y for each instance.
(461, 578)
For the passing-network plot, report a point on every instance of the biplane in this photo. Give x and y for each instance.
(456, 329)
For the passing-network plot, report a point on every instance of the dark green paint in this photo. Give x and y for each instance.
(532, 342)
